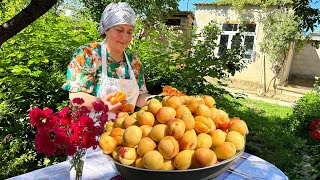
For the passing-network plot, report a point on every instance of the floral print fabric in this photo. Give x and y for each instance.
(85, 70)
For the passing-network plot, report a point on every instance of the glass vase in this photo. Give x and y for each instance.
(77, 163)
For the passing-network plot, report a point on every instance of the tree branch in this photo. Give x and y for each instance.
(32, 12)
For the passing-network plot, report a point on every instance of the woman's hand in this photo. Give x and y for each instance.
(114, 107)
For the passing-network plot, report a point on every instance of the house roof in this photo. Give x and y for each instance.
(247, 2)
(183, 13)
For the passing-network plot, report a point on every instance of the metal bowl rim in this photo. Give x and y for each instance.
(238, 154)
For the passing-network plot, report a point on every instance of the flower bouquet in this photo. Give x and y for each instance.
(72, 130)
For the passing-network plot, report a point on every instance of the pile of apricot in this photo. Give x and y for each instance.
(177, 132)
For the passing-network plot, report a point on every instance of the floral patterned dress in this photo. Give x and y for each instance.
(85, 70)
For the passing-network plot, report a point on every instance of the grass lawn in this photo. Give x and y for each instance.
(269, 135)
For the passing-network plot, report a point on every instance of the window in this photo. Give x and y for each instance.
(229, 31)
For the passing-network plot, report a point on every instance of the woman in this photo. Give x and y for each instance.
(98, 70)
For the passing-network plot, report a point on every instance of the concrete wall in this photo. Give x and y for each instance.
(307, 62)
(255, 76)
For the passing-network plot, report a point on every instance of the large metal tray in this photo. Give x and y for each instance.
(133, 173)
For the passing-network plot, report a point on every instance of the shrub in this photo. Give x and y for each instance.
(305, 111)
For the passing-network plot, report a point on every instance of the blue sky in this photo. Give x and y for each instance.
(191, 7)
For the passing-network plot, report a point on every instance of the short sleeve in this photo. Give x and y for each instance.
(81, 72)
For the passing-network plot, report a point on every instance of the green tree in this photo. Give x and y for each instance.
(147, 10)
(308, 16)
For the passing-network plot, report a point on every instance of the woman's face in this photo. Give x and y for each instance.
(119, 37)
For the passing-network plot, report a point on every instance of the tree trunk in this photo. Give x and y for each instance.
(32, 12)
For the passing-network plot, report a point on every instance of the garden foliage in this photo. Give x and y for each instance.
(32, 70)
(305, 111)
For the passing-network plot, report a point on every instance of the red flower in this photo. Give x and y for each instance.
(60, 136)
(84, 110)
(70, 150)
(77, 101)
(44, 144)
(316, 134)
(64, 112)
(315, 124)
(98, 105)
(35, 116)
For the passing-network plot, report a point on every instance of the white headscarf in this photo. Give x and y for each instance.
(115, 14)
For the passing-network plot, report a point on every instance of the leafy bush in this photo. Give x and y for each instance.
(305, 111)
(32, 71)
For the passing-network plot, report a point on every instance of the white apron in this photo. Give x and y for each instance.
(109, 85)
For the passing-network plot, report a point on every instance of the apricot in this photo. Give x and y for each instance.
(138, 162)
(107, 143)
(194, 102)
(127, 155)
(168, 147)
(119, 122)
(188, 120)
(204, 141)
(164, 114)
(144, 108)
(154, 105)
(202, 124)
(225, 150)
(188, 140)
(176, 128)
(108, 126)
(209, 101)
(117, 134)
(181, 110)
(185, 99)
(173, 102)
(146, 129)
(146, 118)
(214, 159)
(132, 136)
(236, 139)
(239, 126)
(213, 126)
(222, 120)
(214, 113)
(152, 160)
(203, 110)
(139, 113)
(167, 165)
(158, 132)
(123, 114)
(115, 153)
(203, 157)
(146, 144)
(129, 121)
(164, 100)
(218, 137)
(183, 159)
(134, 115)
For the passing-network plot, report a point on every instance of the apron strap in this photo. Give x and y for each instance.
(104, 61)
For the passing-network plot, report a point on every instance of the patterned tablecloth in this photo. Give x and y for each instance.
(97, 166)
